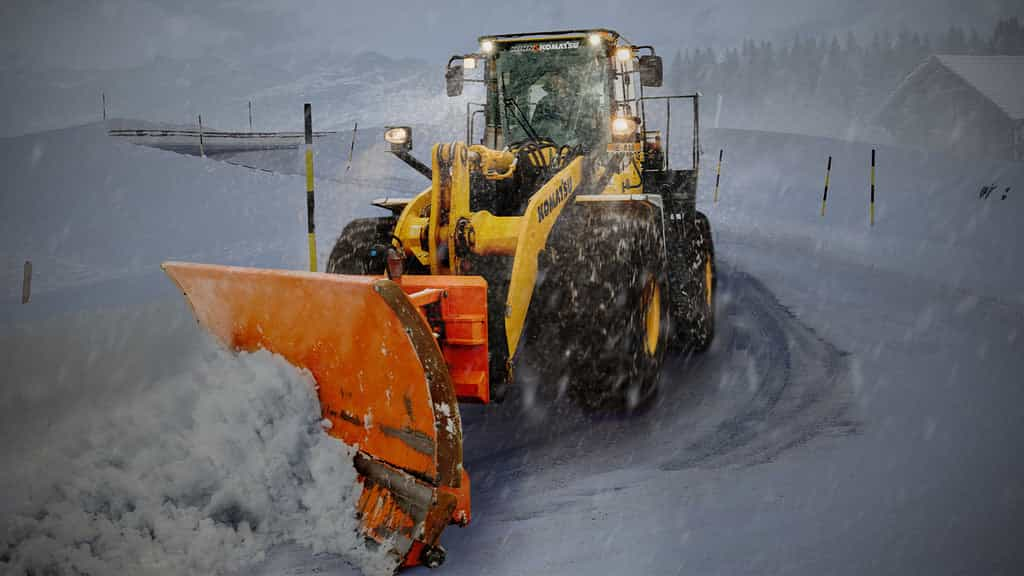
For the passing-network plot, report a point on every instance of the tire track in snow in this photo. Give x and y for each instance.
(794, 378)
(768, 383)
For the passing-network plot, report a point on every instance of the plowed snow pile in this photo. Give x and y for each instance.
(194, 468)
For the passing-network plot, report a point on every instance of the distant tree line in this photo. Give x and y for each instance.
(820, 85)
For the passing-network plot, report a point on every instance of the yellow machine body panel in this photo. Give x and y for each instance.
(534, 227)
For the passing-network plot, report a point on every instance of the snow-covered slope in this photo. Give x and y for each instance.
(858, 412)
(931, 218)
(134, 444)
(88, 209)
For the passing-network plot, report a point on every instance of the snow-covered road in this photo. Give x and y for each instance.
(846, 421)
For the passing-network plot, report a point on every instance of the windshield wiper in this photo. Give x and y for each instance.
(511, 104)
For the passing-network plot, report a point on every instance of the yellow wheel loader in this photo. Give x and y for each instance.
(561, 239)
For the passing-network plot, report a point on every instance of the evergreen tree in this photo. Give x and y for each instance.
(975, 45)
(813, 79)
(954, 41)
(1008, 37)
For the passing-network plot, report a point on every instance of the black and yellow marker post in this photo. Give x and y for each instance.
(718, 173)
(871, 210)
(824, 196)
(310, 227)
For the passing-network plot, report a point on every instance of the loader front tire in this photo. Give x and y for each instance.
(604, 316)
(361, 247)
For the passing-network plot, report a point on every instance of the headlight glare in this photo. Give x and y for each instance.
(398, 135)
(623, 126)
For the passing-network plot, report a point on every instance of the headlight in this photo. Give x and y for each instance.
(400, 138)
(623, 126)
(624, 54)
(487, 46)
(594, 39)
(398, 135)
(469, 63)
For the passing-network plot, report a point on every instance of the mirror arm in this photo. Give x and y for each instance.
(413, 162)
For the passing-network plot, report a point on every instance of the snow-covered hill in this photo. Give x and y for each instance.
(932, 221)
(96, 215)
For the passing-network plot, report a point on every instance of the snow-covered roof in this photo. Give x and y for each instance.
(998, 78)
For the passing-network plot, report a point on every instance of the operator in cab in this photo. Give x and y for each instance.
(552, 116)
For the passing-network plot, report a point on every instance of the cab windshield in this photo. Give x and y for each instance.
(556, 90)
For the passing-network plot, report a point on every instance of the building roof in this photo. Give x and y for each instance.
(998, 78)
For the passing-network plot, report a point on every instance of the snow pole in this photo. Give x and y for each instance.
(824, 196)
(103, 96)
(871, 210)
(310, 227)
(250, 115)
(26, 283)
(718, 173)
(352, 147)
(202, 151)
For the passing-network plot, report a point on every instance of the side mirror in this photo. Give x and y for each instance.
(453, 80)
(650, 71)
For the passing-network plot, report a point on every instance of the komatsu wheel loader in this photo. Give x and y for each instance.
(562, 239)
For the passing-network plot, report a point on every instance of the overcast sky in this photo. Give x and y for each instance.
(168, 61)
(110, 34)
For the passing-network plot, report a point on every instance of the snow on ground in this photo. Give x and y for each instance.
(97, 215)
(86, 208)
(145, 448)
(858, 412)
(180, 457)
(931, 219)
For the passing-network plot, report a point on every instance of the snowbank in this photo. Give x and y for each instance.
(95, 213)
(84, 207)
(148, 449)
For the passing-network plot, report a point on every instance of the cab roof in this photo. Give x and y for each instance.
(611, 35)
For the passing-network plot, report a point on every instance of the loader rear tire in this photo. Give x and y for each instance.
(603, 323)
(694, 327)
(361, 247)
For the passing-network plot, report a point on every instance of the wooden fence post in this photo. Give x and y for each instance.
(824, 196)
(718, 173)
(26, 283)
(352, 147)
(202, 151)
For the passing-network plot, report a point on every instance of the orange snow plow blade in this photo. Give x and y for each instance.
(381, 379)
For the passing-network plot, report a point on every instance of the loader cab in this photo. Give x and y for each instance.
(580, 89)
(555, 89)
